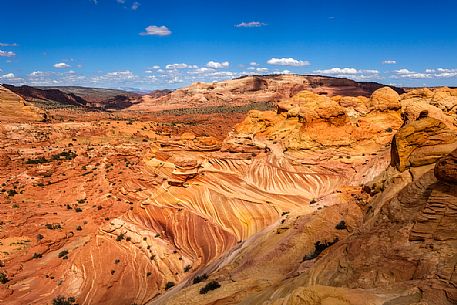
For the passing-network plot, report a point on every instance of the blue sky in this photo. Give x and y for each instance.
(149, 44)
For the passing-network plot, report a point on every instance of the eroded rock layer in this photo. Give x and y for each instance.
(296, 206)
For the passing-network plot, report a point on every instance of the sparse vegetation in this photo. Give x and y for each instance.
(210, 286)
(169, 285)
(37, 255)
(120, 237)
(319, 248)
(65, 155)
(53, 226)
(341, 225)
(61, 300)
(11, 193)
(200, 278)
(3, 278)
(187, 268)
(63, 254)
(39, 160)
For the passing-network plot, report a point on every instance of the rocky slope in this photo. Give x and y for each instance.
(14, 108)
(51, 97)
(327, 200)
(253, 89)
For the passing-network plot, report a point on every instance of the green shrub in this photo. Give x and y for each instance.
(37, 161)
(341, 225)
(210, 286)
(61, 300)
(3, 278)
(169, 285)
(63, 254)
(200, 278)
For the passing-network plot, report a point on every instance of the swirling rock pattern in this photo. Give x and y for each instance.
(117, 212)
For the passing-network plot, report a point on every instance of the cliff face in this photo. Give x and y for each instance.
(302, 205)
(14, 108)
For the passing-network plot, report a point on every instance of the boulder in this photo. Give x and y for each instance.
(422, 142)
(446, 168)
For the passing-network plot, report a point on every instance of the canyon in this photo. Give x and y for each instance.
(259, 190)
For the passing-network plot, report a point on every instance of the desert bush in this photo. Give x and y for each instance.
(200, 278)
(3, 278)
(341, 225)
(169, 285)
(63, 254)
(318, 248)
(210, 286)
(37, 161)
(61, 300)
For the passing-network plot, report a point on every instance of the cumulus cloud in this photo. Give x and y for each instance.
(8, 76)
(345, 71)
(218, 65)
(61, 65)
(288, 62)
(7, 54)
(389, 62)
(405, 73)
(442, 72)
(253, 63)
(120, 75)
(252, 24)
(180, 66)
(154, 30)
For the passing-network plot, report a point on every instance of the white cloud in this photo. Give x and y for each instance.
(7, 54)
(261, 70)
(202, 70)
(135, 5)
(252, 24)
(180, 66)
(288, 62)
(156, 67)
(154, 30)
(8, 76)
(338, 71)
(389, 62)
(405, 73)
(8, 44)
(253, 63)
(218, 65)
(61, 65)
(442, 72)
(120, 75)
(282, 72)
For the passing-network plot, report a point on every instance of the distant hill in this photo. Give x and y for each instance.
(68, 96)
(257, 89)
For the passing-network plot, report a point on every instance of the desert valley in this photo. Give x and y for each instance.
(234, 152)
(279, 190)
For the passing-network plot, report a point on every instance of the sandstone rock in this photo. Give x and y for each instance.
(422, 142)
(14, 109)
(446, 168)
(385, 99)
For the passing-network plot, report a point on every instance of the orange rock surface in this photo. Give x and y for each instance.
(294, 206)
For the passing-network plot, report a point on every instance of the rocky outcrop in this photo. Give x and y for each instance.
(446, 168)
(422, 142)
(14, 109)
(298, 205)
(253, 90)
